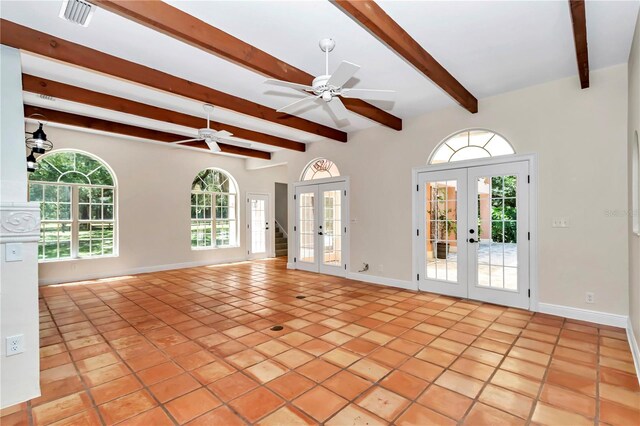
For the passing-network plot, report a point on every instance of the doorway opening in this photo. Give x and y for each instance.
(281, 208)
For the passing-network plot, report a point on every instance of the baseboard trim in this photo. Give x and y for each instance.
(391, 282)
(140, 270)
(597, 317)
(635, 350)
(291, 265)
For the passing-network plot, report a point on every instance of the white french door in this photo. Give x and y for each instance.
(474, 232)
(258, 229)
(321, 227)
(442, 215)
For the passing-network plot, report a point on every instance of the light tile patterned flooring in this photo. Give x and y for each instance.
(194, 346)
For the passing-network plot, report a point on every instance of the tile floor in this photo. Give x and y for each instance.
(194, 346)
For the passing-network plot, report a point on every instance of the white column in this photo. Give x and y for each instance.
(19, 233)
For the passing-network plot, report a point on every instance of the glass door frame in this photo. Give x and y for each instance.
(341, 182)
(450, 288)
(417, 216)
(501, 296)
(269, 243)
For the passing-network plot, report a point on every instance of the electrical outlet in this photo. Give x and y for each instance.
(590, 297)
(15, 344)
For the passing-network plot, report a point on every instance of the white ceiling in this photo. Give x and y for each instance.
(490, 47)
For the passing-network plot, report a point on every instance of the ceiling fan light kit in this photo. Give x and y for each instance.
(330, 87)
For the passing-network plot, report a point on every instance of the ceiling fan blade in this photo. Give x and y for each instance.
(297, 104)
(213, 146)
(288, 84)
(188, 140)
(373, 94)
(223, 134)
(234, 142)
(338, 109)
(342, 74)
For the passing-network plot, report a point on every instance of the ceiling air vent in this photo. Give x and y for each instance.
(77, 11)
(47, 97)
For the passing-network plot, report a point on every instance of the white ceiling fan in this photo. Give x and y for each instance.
(212, 137)
(328, 88)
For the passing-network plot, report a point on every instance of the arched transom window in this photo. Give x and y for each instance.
(214, 215)
(320, 168)
(77, 192)
(471, 144)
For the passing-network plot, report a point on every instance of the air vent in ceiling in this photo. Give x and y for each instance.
(47, 97)
(77, 11)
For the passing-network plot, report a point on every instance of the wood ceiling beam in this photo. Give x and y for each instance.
(180, 25)
(374, 19)
(77, 120)
(24, 38)
(59, 90)
(579, 23)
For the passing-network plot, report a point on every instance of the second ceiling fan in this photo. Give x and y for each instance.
(212, 137)
(329, 88)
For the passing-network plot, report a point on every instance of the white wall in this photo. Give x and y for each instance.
(633, 131)
(580, 138)
(19, 229)
(154, 184)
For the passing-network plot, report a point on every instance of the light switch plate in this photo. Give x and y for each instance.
(560, 222)
(13, 252)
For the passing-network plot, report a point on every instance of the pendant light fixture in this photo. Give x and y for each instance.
(32, 165)
(38, 141)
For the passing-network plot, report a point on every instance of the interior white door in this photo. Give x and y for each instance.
(473, 233)
(332, 228)
(442, 215)
(258, 226)
(306, 228)
(498, 216)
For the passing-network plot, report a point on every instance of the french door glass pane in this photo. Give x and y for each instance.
(497, 229)
(258, 224)
(307, 227)
(442, 230)
(332, 226)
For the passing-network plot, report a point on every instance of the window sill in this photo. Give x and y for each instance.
(71, 259)
(213, 248)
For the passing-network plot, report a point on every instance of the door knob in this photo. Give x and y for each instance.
(320, 233)
(471, 240)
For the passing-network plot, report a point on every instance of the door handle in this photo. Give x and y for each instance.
(471, 240)
(320, 233)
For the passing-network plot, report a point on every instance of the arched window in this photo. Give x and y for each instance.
(77, 195)
(471, 144)
(320, 168)
(214, 213)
